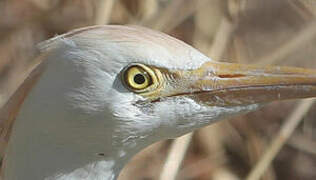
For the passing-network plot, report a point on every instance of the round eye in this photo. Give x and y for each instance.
(137, 78)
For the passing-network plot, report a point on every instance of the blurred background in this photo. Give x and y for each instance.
(277, 142)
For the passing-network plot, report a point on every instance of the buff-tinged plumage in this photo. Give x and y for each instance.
(77, 117)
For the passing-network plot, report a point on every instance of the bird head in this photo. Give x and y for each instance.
(112, 90)
(144, 85)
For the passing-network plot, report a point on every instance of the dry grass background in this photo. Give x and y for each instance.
(277, 142)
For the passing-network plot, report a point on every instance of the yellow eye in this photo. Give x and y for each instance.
(142, 79)
(137, 78)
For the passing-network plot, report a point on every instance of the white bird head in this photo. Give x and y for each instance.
(112, 90)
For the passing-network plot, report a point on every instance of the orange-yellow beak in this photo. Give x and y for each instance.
(226, 84)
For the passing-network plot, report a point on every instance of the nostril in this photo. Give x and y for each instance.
(231, 75)
(101, 154)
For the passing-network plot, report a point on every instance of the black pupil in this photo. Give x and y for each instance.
(139, 79)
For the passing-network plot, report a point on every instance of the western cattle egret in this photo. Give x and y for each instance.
(103, 93)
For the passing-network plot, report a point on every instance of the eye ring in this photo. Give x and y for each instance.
(139, 78)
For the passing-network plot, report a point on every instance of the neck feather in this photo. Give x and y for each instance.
(50, 149)
(52, 139)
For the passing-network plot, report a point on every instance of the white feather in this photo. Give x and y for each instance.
(79, 121)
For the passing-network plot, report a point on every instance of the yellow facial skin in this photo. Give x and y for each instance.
(222, 84)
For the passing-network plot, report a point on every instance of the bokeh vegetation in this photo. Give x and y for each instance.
(256, 31)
